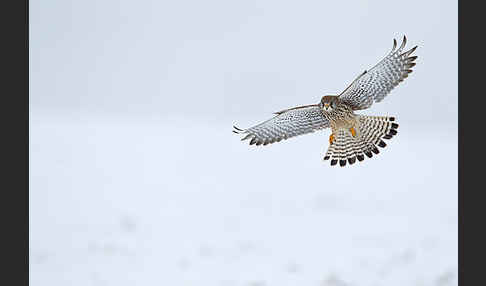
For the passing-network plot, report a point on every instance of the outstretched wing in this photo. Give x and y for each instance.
(373, 85)
(288, 123)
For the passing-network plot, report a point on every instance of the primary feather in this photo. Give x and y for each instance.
(288, 123)
(373, 85)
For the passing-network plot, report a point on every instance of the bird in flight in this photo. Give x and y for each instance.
(353, 135)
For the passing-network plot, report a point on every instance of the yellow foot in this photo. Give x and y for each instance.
(353, 131)
(331, 138)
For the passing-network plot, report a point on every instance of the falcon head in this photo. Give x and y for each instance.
(329, 102)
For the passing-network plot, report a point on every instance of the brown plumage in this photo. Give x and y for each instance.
(353, 136)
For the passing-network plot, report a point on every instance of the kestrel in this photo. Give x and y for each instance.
(353, 135)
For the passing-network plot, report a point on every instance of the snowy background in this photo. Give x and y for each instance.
(137, 179)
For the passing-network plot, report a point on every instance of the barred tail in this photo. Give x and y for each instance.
(370, 131)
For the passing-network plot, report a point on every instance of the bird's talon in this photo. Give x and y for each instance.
(331, 138)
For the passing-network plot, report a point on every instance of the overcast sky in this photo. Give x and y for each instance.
(233, 59)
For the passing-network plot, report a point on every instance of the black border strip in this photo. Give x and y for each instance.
(14, 122)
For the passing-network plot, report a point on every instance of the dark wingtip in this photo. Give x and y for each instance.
(388, 136)
(391, 118)
(237, 130)
(334, 162)
(404, 42)
(369, 154)
(394, 126)
(248, 136)
(351, 160)
(382, 144)
(326, 158)
(375, 150)
(360, 157)
(409, 52)
(393, 132)
(342, 163)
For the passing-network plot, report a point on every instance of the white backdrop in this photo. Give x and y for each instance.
(136, 178)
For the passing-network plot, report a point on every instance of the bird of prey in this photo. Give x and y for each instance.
(353, 135)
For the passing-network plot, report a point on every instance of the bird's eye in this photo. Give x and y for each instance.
(332, 104)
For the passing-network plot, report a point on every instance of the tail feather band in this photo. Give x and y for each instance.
(370, 131)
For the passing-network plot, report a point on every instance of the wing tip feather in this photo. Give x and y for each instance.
(394, 45)
(238, 130)
(404, 42)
